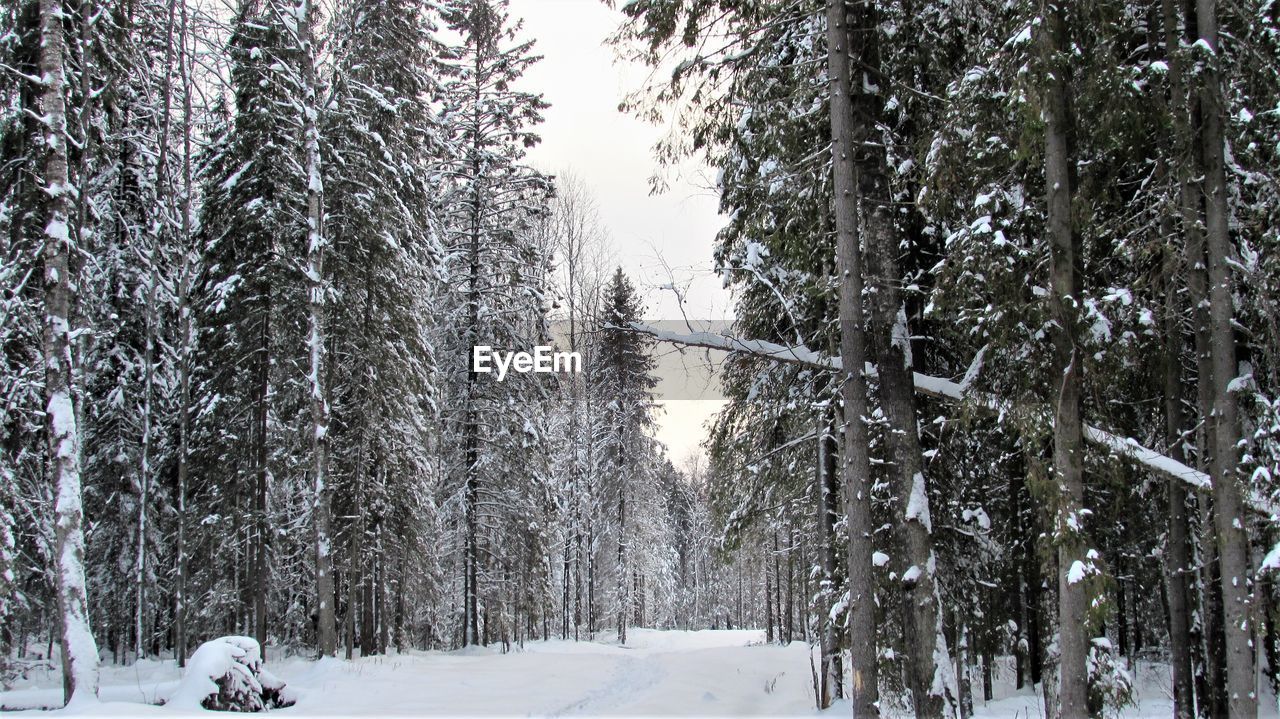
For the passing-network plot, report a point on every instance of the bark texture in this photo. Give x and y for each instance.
(855, 465)
(890, 344)
(1064, 299)
(1233, 542)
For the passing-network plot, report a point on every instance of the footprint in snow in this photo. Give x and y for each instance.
(708, 697)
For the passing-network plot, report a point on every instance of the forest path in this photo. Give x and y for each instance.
(658, 673)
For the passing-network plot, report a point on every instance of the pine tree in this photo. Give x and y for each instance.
(384, 133)
(624, 376)
(253, 226)
(494, 279)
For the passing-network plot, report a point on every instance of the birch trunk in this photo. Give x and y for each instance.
(79, 651)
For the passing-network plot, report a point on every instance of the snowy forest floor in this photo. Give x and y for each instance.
(658, 673)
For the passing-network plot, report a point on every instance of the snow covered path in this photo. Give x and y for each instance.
(709, 673)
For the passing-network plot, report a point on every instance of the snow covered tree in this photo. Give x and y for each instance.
(494, 293)
(384, 133)
(624, 380)
(253, 304)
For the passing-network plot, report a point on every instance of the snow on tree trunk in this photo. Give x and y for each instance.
(79, 651)
(327, 633)
(926, 678)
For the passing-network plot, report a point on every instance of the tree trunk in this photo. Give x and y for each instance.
(257, 610)
(1228, 506)
(768, 607)
(622, 550)
(79, 652)
(186, 348)
(1178, 553)
(151, 321)
(791, 586)
(317, 243)
(1064, 297)
(470, 430)
(827, 484)
(777, 587)
(890, 344)
(856, 462)
(368, 636)
(1209, 680)
(1050, 680)
(963, 681)
(352, 578)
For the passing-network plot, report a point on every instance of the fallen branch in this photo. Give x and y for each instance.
(943, 388)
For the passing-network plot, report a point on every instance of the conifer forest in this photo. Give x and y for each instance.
(323, 390)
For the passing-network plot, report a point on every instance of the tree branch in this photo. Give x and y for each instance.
(943, 388)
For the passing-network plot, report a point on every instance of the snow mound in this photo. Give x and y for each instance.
(227, 674)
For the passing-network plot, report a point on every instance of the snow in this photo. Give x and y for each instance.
(1271, 562)
(234, 178)
(1077, 572)
(879, 559)
(57, 231)
(918, 502)
(62, 419)
(212, 660)
(658, 673)
(756, 253)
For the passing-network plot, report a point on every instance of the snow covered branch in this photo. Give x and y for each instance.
(943, 388)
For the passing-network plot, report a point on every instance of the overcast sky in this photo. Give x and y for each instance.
(612, 153)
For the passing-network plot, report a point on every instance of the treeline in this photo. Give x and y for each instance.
(1070, 209)
(246, 253)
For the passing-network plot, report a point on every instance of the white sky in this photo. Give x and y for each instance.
(611, 152)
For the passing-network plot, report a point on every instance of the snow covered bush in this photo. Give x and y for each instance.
(227, 674)
(1110, 685)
